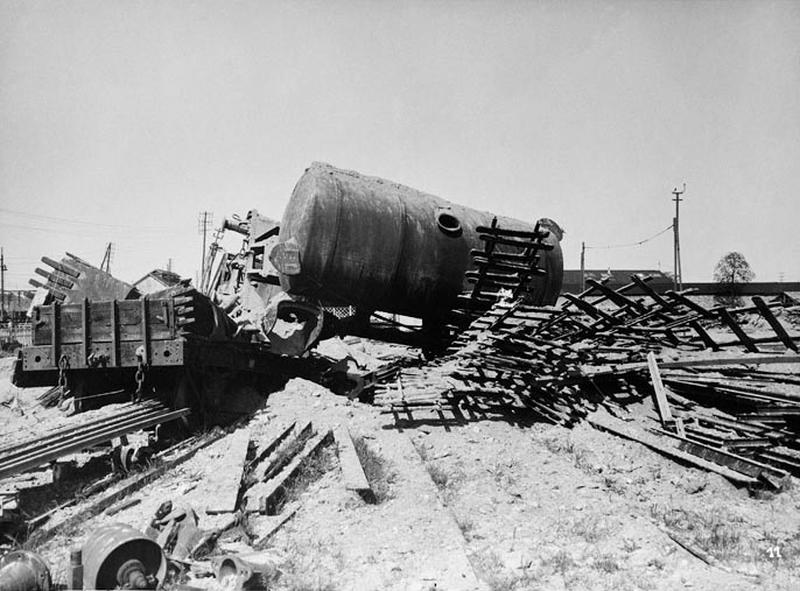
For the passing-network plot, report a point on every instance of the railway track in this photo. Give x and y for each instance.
(38, 451)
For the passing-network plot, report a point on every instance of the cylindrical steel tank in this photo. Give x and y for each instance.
(350, 239)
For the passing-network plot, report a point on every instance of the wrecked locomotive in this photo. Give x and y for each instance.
(349, 246)
(373, 245)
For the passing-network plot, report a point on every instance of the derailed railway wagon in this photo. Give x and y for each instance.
(346, 239)
(170, 348)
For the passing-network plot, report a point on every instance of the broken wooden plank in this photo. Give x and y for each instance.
(740, 360)
(774, 323)
(764, 472)
(281, 455)
(691, 305)
(276, 486)
(224, 477)
(746, 340)
(265, 448)
(659, 394)
(617, 427)
(278, 457)
(616, 297)
(591, 310)
(704, 336)
(352, 470)
(122, 506)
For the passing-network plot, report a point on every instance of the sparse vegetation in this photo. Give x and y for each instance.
(445, 480)
(466, 525)
(503, 473)
(717, 532)
(581, 457)
(305, 569)
(613, 484)
(312, 470)
(491, 570)
(656, 563)
(590, 528)
(561, 562)
(606, 563)
(439, 476)
(422, 451)
(311, 587)
(559, 444)
(630, 545)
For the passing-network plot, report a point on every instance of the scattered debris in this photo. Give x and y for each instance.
(685, 380)
(560, 361)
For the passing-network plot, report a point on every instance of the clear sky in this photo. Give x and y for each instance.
(120, 121)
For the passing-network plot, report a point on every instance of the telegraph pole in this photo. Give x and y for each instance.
(203, 224)
(677, 278)
(583, 267)
(106, 264)
(2, 285)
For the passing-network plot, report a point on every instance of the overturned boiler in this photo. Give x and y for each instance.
(348, 239)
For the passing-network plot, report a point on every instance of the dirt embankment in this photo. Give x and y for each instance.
(498, 504)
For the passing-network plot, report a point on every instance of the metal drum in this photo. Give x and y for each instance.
(350, 239)
(119, 556)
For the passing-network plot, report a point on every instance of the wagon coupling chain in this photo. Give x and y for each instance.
(141, 366)
(63, 366)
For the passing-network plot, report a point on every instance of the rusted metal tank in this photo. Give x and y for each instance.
(350, 239)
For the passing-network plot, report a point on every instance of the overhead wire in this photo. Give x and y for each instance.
(38, 216)
(78, 231)
(628, 245)
(48, 230)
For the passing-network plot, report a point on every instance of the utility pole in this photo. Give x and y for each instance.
(106, 264)
(203, 224)
(677, 278)
(583, 267)
(3, 270)
(169, 264)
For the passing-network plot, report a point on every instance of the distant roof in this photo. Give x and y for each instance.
(574, 275)
(168, 278)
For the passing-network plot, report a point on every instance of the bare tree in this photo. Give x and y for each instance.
(732, 270)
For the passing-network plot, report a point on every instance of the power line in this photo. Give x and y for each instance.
(77, 221)
(78, 231)
(48, 230)
(639, 243)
